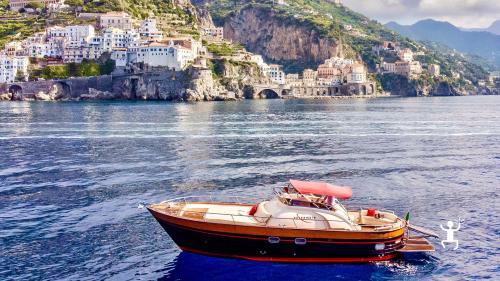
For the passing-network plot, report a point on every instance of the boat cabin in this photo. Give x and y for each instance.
(313, 194)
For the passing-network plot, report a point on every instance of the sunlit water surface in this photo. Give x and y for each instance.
(73, 174)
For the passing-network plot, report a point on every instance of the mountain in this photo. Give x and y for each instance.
(302, 34)
(484, 44)
(493, 28)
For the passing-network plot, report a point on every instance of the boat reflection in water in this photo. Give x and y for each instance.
(188, 266)
(304, 223)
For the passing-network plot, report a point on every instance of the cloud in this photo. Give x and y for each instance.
(466, 13)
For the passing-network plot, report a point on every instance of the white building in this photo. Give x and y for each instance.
(406, 55)
(120, 20)
(14, 48)
(120, 56)
(213, 32)
(56, 31)
(77, 53)
(79, 33)
(196, 47)
(389, 67)
(408, 68)
(309, 77)
(149, 30)
(10, 67)
(116, 38)
(157, 54)
(338, 62)
(17, 5)
(356, 73)
(276, 74)
(54, 47)
(256, 59)
(293, 80)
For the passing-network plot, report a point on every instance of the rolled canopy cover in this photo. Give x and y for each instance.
(322, 188)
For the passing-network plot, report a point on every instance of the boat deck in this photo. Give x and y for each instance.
(417, 245)
(235, 213)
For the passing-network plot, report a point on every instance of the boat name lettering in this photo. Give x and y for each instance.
(304, 218)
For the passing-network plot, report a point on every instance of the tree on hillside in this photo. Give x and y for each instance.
(4, 5)
(35, 5)
(19, 76)
(74, 3)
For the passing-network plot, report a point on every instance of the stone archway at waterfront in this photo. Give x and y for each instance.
(63, 89)
(15, 89)
(268, 94)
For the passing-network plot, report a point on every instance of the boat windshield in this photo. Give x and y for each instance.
(292, 198)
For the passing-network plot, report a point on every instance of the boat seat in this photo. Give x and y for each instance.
(368, 220)
(333, 222)
(195, 213)
(230, 213)
(262, 215)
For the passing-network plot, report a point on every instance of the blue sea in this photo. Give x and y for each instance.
(72, 175)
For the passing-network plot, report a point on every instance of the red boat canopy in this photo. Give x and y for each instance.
(322, 188)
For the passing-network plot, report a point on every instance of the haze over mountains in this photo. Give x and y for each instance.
(481, 43)
(493, 28)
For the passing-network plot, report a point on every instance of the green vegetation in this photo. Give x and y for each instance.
(35, 5)
(357, 33)
(211, 64)
(86, 68)
(4, 5)
(74, 3)
(172, 17)
(19, 76)
(223, 49)
(14, 26)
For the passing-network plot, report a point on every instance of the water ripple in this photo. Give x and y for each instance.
(72, 175)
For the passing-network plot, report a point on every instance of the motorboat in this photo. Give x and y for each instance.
(304, 223)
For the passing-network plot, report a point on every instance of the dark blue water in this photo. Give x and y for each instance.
(73, 174)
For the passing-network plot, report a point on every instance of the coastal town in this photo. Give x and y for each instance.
(140, 45)
(136, 42)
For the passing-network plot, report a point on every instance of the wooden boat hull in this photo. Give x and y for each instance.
(249, 243)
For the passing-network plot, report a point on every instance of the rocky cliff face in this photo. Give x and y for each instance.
(285, 42)
(233, 79)
(445, 89)
(402, 86)
(203, 17)
(240, 78)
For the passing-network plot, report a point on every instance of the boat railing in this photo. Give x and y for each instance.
(357, 208)
(234, 218)
(212, 199)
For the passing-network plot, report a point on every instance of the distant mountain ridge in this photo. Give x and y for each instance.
(484, 44)
(493, 28)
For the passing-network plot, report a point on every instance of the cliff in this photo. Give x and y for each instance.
(402, 86)
(228, 80)
(301, 34)
(239, 78)
(286, 42)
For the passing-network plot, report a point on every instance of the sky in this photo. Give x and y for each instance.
(463, 13)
